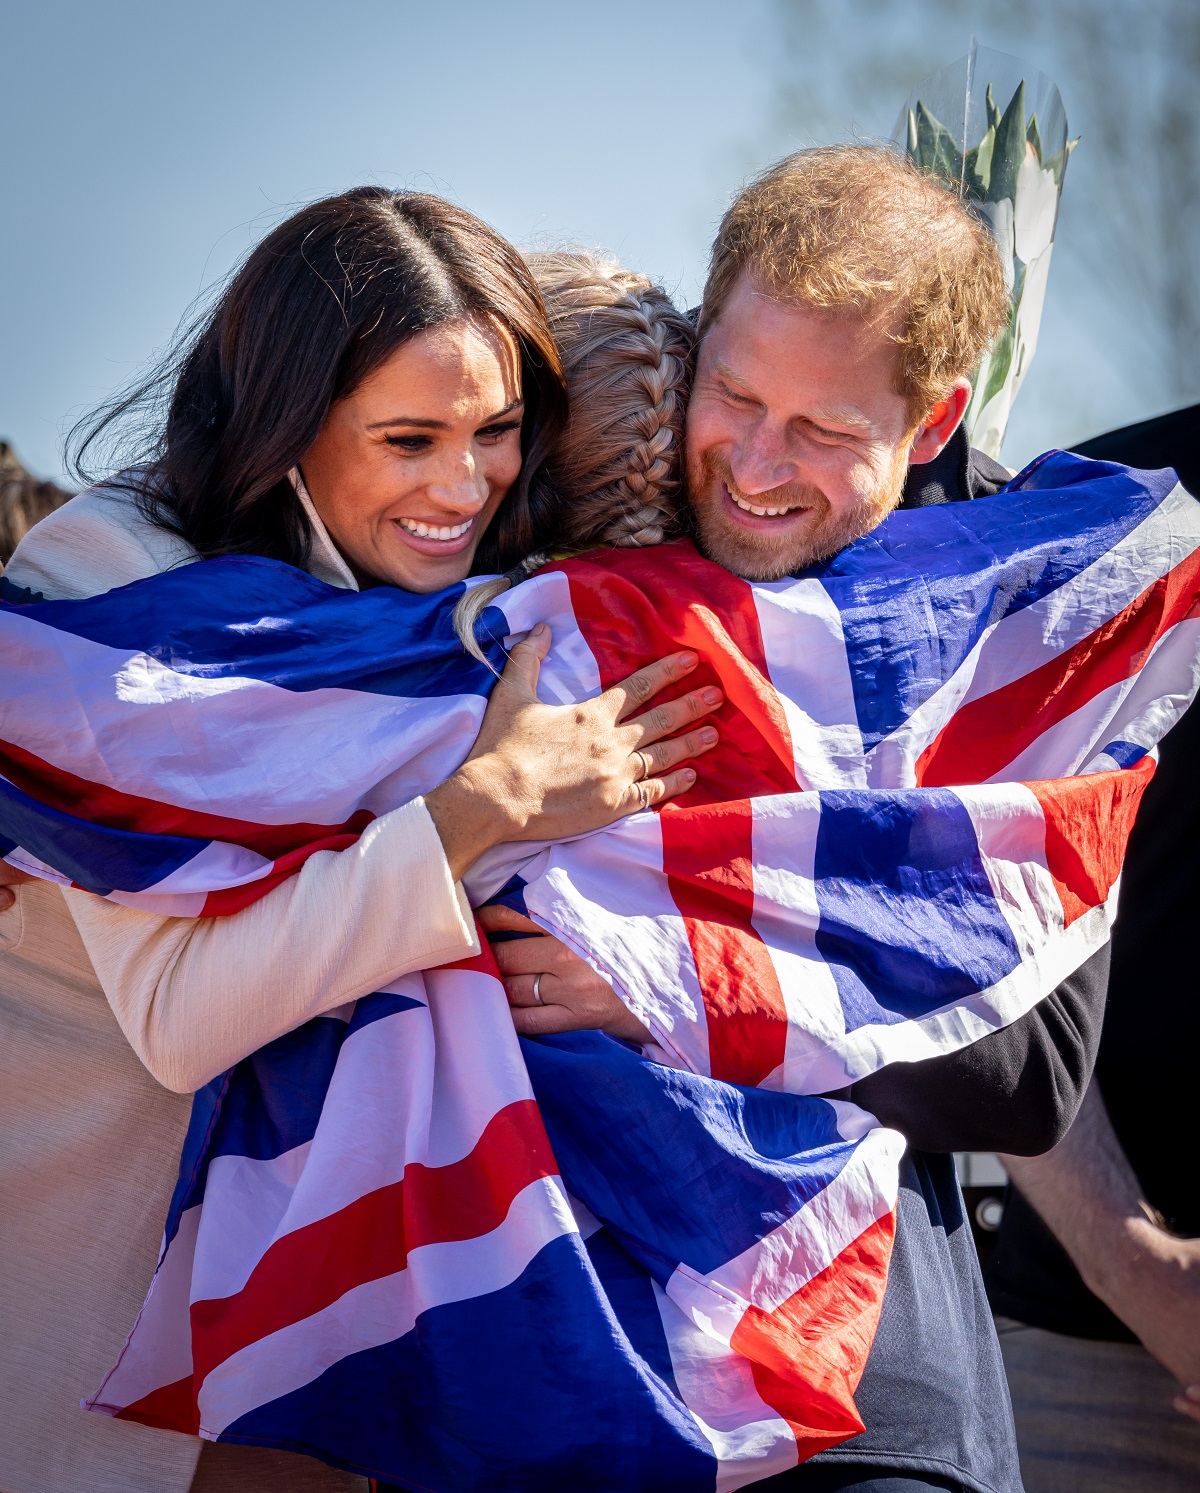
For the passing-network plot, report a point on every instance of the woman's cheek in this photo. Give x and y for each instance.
(504, 469)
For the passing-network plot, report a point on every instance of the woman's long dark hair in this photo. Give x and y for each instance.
(321, 302)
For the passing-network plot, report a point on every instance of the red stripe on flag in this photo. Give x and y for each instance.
(172, 1407)
(708, 855)
(308, 1270)
(635, 606)
(808, 1355)
(100, 804)
(985, 735)
(231, 899)
(1088, 820)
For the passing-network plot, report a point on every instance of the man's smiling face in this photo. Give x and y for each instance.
(797, 439)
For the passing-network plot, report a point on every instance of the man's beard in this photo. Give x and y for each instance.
(770, 557)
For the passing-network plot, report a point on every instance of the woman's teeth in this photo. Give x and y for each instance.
(759, 512)
(431, 531)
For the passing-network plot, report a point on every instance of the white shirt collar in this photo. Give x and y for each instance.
(324, 560)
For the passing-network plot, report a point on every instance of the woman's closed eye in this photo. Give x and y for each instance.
(498, 430)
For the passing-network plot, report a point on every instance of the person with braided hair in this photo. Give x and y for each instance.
(614, 474)
(627, 356)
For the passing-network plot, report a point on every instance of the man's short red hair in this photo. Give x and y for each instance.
(858, 228)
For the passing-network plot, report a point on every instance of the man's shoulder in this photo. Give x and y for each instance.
(957, 474)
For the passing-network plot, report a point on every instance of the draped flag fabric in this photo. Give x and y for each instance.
(407, 1243)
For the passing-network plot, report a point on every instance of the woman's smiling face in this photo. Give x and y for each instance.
(409, 469)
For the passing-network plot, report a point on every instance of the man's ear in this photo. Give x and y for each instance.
(940, 423)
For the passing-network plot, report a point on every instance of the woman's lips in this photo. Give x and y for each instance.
(429, 544)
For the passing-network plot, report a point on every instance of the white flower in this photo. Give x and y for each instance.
(1033, 297)
(1036, 208)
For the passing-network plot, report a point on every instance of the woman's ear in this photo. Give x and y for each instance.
(940, 423)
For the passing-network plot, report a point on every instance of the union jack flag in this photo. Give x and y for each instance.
(406, 1242)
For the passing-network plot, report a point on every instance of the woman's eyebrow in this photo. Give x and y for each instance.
(442, 424)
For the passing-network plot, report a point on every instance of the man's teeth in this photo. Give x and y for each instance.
(431, 531)
(760, 512)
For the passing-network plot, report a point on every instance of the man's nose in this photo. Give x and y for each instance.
(762, 461)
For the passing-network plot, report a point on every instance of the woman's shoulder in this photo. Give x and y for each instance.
(99, 539)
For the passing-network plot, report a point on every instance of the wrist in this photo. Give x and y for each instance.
(1140, 1252)
(470, 816)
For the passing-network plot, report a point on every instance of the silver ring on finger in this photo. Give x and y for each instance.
(645, 761)
(643, 794)
(537, 990)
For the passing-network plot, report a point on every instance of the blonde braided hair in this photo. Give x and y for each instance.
(627, 356)
(614, 476)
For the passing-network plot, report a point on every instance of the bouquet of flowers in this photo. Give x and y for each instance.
(1009, 165)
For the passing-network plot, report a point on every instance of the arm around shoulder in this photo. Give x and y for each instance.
(1017, 1090)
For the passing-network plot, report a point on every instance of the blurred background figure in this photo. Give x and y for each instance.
(1095, 1276)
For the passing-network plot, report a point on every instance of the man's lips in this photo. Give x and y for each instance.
(771, 517)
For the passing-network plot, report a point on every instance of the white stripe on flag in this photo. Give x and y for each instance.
(799, 1249)
(158, 1350)
(806, 658)
(287, 756)
(381, 1311)
(614, 907)
(749, 1440)
(1027, 639)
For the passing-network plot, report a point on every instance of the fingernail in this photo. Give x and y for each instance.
(711, 696)
(708, 736)
(538, 629)
(688, 660)
(689, 774)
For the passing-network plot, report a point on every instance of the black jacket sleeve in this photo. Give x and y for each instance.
(1017, 1090)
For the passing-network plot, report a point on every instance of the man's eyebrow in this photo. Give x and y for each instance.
(412, 420)
(851, 418)
(723, 371)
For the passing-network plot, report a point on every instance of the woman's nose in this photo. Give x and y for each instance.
(460, 484)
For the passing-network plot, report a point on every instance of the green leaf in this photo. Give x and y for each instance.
(937, 151)
(1034, 136)
(993, 114)
(1009, 150)
(978, 164)
(1058, 163)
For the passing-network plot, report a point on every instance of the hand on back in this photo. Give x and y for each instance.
(545, 772)
(570, 995)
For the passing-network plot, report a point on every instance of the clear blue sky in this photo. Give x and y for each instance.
(144, 147)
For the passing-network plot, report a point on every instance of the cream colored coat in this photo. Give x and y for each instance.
(108, 1019)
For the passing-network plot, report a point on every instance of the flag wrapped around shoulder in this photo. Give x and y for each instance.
(409, 1244)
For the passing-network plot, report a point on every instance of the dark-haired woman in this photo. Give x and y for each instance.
(371, 400)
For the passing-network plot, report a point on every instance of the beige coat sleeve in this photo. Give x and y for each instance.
(196, 995)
